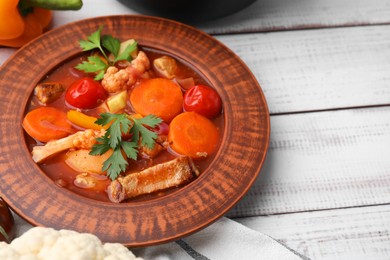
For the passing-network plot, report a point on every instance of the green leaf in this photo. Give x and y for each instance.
(130, 149)
(87, 46)
(94, 64)
(125, 55)
(111, 44)
(94, 41)
(106, 118)
(115, 134)
(95, 36)
(100, 148)
(99, 76)
(150, 120)
(123, 124)
(148, 137)
(115, 164)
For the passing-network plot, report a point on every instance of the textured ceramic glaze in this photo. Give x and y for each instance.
(238, 162)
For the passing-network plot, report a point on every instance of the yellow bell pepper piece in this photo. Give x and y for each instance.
(84, 121)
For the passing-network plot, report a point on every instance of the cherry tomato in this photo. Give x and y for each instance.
(85, 93)
(203, 100)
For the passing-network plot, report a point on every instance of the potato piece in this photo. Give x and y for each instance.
(117, 102)
(82, 161)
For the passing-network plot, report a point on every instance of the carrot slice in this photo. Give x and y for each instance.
(46, 123)
(158, 96)
(193, 135)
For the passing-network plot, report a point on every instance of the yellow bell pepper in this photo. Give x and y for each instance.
(84, 121)
(24, 20)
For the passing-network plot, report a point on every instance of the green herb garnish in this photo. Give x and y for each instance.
(123, 124)
(97, 64)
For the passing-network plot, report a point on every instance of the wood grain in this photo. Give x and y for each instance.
(281, 15)
(323, 161)
(264, 15)
(353, 233)
(318, 69)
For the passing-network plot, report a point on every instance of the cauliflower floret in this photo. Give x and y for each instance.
(87, 138)
(47, 243)
(7, 252)
(79, 140)
(141, 63)
(116, 80)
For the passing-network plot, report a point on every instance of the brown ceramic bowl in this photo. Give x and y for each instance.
(34, 196)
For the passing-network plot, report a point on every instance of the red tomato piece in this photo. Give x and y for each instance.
(203, 100)
(85, 93)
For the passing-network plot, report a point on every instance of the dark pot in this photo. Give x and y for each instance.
(187, 10)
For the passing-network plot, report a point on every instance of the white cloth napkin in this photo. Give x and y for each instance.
(225, 239)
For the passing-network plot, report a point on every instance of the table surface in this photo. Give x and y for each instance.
(324, 67)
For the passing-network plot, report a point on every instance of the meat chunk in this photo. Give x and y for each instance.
(159, 177)
(165, 66)
(47, 92)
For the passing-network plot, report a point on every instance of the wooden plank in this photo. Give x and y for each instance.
(263, 15)
(271, 15)
(355, 233)
(318, 69)
(323, 161)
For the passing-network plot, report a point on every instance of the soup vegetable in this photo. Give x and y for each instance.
(123, 122)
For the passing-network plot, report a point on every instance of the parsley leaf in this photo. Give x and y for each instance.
(130, 149)
(98, 65)
(123, 124)
(111, 44)
(148, 136)
(93, 42)
(125, 55)
(94, 64)
(115, 164)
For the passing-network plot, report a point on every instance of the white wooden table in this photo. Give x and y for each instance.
(324, 66)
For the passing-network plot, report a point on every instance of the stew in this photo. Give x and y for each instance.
(123, 131)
